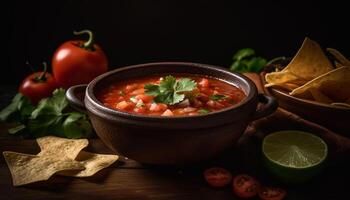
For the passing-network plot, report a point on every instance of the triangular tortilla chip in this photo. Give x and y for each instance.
(92, 162)
(309, 63)
(27, 168)
(334, 84)
(62, 147)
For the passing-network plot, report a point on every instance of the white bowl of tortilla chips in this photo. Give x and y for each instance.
(314, 88)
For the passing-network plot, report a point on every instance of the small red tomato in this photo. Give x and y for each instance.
(245, 186)
(38, 85)
(78, 62)
(272, 193)
(217, 176)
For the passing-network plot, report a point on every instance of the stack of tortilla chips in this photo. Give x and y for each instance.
(58, 156)
(311, 75)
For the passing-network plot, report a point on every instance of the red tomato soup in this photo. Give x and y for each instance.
(177, 95)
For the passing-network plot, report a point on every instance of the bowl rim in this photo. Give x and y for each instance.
(300, 100)
(89, 93)
(306, 101)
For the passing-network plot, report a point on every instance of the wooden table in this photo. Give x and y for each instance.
(131, 180)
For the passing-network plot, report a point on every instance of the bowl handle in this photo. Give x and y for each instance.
(269, 106)
(75, 97)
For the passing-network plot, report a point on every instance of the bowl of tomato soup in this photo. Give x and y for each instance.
(171, 112)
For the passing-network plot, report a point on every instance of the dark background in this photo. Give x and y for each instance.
(137, 31)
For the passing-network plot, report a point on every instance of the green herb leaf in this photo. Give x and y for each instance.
(203, 111)
(170, 91)
(51, 106)
(77, 126)
(218, 97)
(152, 90)
(256, 64)
(243, 53)
(185, 85)
(16, 129)
(245, 61)
(48, 118)
(20, 105)
(168, 84)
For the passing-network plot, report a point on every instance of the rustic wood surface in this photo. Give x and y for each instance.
(131, 180)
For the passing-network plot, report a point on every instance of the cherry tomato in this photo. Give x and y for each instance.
(217, 176)
(272, 193)
(245, 186)
(78, 62)
(38, 85)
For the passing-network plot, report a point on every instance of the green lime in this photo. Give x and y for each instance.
(294, 156)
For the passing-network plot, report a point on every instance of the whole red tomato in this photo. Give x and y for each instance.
(38, 85)
(78, 62)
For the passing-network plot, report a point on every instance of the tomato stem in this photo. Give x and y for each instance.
(30, 66)
(89, 44)
(42, 78)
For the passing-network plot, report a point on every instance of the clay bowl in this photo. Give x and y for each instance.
(171, 140)
(332, 117)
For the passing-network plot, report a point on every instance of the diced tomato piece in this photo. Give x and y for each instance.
(206, 91)
(158, 107)
(215, 104)
(130, 87)
(204, 83)
(197, 103)
(168, 113)
(144, 98)
(203, 97)
(140, 109)
(124, 105)
(137, 91)
(189, 109)
(193, 113)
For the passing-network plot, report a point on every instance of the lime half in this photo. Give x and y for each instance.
(294, 156)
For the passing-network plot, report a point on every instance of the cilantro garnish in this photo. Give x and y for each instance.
(47, 118)
(218, 97)
(170, 91)
(203, 111)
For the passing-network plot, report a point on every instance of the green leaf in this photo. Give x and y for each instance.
(51, 106)
(256, 64)
(20, 105)
(167, 84)
(177, 98)
(16, 129)
(243, 53)
(46, 125)
(76, 125)
(152, 90)
(203, 111)
(237, 66)
(185, 85)
(170, 91)
(218, 97)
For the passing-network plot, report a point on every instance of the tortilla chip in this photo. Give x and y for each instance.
(61, 147)
(340, 57)
(26, 168)
(334, 85)
(319, 96)
(344, 105)
(92, 162)
(309, 63)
